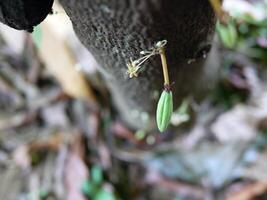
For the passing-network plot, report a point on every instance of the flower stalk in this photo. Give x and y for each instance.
(164, 67)
(216, 5)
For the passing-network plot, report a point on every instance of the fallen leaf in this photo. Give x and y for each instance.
(242, 121)
(76, 172)
(257, 169)
(61, 64)
(17, 120)
(183, 189)
(211, 161)
(55, 115)
(22, 155)
(249, 192)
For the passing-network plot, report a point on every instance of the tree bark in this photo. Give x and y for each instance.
(24, 14)
(116, 30)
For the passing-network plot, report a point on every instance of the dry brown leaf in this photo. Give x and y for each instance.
(76, 171)
(51, 143)
(21, 157)
(250, 192)
(22, 154)
(17, 120)
(242, 121)
(235, 124)
(183, 189)
(61, 64)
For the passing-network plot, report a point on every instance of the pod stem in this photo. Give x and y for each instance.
(164, 67)
(217, 7)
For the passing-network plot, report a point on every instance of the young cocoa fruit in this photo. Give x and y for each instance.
(164, 110)
(227, 34)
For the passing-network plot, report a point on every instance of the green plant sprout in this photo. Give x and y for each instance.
(181, 115)
(94, 188)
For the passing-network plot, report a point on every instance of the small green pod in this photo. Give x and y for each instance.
(228, 34)
(164, 110)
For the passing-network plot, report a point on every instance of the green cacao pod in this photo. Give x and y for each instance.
(164, 110)
(228, 34)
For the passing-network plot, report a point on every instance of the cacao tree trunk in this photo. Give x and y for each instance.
(116, 30)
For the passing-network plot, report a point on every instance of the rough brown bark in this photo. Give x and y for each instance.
(116, 30)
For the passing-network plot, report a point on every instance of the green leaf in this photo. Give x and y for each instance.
(164, 110)
(103, 194)
(251, 20)
(43, 194)
(140, 134)
(89, 188)
(97, 175)
(228, 34)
